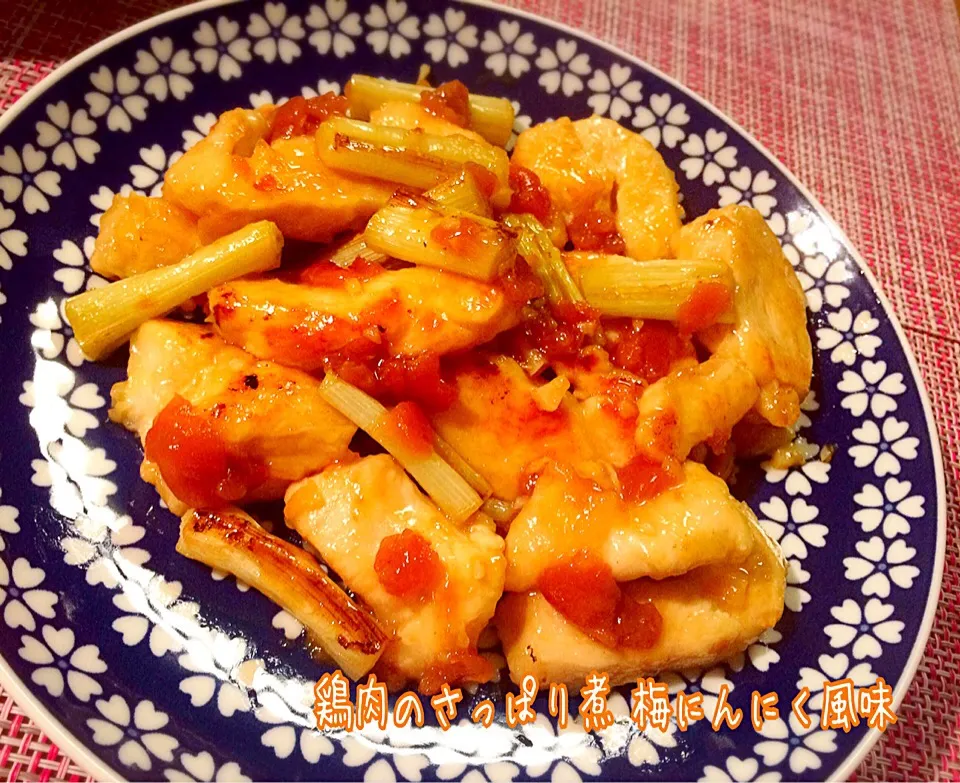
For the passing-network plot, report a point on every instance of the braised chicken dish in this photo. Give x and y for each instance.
(500, 395)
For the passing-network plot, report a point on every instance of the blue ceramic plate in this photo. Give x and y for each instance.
(142, 664)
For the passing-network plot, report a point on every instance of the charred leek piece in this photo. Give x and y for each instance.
(103, 318)
(413, 229)
(353, 249)
(461, 194)
(491, 117)
(448, 489)
(232, 541)
(538, 251)
(411, 158)
(619, 286)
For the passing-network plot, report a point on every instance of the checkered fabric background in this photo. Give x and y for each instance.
(861, 100)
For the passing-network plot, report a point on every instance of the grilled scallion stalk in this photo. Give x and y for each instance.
(448, 489)
(491, 117)
(104, 318)
(290, 577)
(412, 158)
(414, 229)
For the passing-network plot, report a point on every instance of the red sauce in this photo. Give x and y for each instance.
(459, 235)
(195, 460)
(558, 334)
(456, 667)
(413, 427)
(529, 194)
(450, 101)
(327, 274)
(419, 378)
(486, 180)
(709, 300)
(649, 351)
(583, 590)
(408, 567)
(643, 478)
(302, 116)
(596, 229)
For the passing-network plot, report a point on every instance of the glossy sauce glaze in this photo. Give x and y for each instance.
(583, 590)
(195, 461)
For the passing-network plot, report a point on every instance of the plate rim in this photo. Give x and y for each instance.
(85, 757)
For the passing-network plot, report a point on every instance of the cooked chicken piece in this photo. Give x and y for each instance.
(692, 405)
(233, 177)
(595, 162)
(554, 151)
(770, 335)
(497, 426)
(693, 524)
(406, 115)
(248, 428)
(138, 233)
(402, 312)
(647, 196)
(435, 585)
(707, 615)
(233, 541)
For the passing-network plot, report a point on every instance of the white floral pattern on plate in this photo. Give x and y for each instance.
(276, 33)
(61, 663)
(166, 70)
(449, 37)
(392, 30)
(563, 67)
(68, 134)
(663, 122)
(508, 49)
(24, 179)
(115, 97)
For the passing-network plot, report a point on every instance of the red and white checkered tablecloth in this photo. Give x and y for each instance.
(860, 99)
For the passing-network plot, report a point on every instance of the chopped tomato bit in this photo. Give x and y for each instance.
(195, 461)
(559, 333)
(583, 590)
(707, 302)
(643, 478)
(650, 350)
(450, 101)
(408, 567)
(486, 179)
(414, 428)
(596, 229)
(302, 116)
(529, 194)
(459, 235)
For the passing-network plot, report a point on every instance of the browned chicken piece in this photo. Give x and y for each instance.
(770, 334)
(595, 163)
(693, 405)
(433, 584)
(407, 115)
(234, 177)
(140, 233)
(396, 313)
(250, 427)
(693, 524)
(498, 427)
(707, 615)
